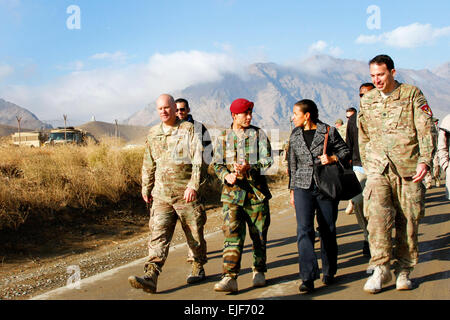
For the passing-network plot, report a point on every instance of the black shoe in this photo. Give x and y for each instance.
(307, 286)
(327, 280)
(366, 249)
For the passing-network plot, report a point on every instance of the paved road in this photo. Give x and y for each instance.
(431, 276)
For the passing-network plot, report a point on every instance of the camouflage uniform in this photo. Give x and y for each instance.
(435, 171)
(172, 163)
(342, 131)
(394, 137)
(247, 201)
(443, 151)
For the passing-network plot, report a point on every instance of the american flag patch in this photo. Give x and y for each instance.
(425, 108)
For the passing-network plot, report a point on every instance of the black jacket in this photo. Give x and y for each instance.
(301, 160)
(352, 140)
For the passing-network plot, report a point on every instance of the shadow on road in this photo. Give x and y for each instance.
(431, 277)
(435, 219)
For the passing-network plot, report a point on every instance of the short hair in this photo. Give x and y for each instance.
(340, 121)
(367, 84)
(307, 105)
(351, 110)
(383, 59)
(181, 100)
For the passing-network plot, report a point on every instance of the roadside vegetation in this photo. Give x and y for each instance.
(51, 184)
(42, 183)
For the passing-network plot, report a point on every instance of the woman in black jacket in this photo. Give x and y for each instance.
(305, 153)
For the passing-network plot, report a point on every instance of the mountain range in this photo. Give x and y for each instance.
(10, 111)
(331, 82)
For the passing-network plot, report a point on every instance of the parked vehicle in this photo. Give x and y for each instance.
(31, 139)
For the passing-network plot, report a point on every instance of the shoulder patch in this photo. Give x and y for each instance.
(425, 108)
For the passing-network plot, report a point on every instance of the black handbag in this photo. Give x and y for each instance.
(335, 181)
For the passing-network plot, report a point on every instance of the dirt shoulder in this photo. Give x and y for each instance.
(37, 261)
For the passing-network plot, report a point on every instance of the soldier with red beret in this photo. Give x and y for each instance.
(242, 154)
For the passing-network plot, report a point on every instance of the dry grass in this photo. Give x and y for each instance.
(44, 184)
(45, 181)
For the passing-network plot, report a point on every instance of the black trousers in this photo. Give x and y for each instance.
(307, 203)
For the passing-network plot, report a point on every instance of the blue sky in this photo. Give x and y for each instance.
(117, 39)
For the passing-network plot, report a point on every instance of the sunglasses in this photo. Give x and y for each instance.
(181, 110)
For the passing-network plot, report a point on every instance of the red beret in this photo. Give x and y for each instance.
(241, 106)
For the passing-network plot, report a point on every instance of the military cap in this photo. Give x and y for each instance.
(241, 105)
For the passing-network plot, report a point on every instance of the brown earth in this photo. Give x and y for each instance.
(34, 259)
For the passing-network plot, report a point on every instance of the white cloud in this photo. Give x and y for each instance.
(335, 51)
(116, 56)
(411, 36)
(226, 47)
(72, 66)
(5, 71)
(322, 47)
(318, 47)
(117, 92)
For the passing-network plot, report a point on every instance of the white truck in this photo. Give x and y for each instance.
(31, 139)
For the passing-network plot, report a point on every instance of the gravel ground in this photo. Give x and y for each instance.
(26, 277)
(23, 280)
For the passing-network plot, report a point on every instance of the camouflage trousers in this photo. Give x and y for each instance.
(447, 183)
(391, 201)
(257, 217)
(163, 220)
(435, 173)
(358, 203)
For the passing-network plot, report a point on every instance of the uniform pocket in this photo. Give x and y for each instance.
(367, 193)
(395, 114)
(181, 148)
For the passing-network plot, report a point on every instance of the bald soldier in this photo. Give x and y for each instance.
(396, 148)
(170, 180)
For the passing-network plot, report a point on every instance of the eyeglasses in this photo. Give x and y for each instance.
(181, 110)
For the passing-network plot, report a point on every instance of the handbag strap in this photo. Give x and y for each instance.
(326, 141)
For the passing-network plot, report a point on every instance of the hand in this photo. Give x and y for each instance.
(231, 178)
(190, 195)
(147, 199)
(326, 159)
(291, 201)
(242, 168)
(421, 171)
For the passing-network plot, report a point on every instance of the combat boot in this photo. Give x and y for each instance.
(259, 279)
(197, 273)
(381, 275)
(227, 284)
(403, 282)
(147, 282)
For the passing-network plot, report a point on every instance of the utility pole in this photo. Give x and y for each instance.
(18, 128)
(65, 125)
(116, 133)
